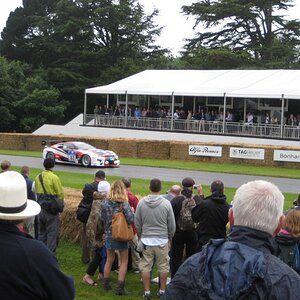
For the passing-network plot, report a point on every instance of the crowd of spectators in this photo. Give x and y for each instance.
(202, 240)
(202, 114)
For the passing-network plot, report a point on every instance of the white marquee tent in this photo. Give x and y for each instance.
(215, 83)
(272, 84)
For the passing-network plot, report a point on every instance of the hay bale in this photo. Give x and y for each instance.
(71, 228)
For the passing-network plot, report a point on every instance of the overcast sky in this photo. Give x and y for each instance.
(176, 26)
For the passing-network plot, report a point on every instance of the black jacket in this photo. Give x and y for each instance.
(28, 270)
(212, 216)
(87, 192)
(241, 268)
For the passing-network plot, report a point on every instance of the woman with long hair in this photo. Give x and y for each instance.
(288, 239)
(116, 200)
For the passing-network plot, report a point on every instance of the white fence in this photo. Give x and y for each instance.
(195, 126)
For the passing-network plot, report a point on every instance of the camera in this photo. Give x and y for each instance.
(195, 186)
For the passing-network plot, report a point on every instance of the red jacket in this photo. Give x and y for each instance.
(133, 202)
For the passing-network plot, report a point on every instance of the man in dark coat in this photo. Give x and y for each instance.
(242, 267)
(28, 269)
(211, 214)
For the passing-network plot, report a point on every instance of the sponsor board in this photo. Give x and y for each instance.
(247, 153)
(205, 150)
(286, 155)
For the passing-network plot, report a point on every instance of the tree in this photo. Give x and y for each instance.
(220, 58)
(81, 43)
(124, 37)
(27, 101)
(257, 27)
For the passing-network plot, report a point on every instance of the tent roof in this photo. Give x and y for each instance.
(213, 83)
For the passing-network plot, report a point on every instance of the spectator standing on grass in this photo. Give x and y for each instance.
(244, 265)
(31, 224)
(29, 271)
(5, 166)
(288, 240)
(211, 214)
(155, 223)
(173, 192)
(48, 223)
(134, 257)
(185, 237)
(95, 236)
(86, 202)
(116, 200)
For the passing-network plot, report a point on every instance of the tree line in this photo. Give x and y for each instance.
(51, 50)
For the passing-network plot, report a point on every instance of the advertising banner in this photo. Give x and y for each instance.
(286, 155)
(247, 153)
(205, 151)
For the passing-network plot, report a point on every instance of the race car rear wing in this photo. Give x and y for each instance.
(51, 142)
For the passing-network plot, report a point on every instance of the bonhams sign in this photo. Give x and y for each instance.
(205, 151)
(285, 155)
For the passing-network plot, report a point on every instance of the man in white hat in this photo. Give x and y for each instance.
(28, 269)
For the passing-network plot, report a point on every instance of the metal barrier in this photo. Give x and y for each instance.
(195, 126)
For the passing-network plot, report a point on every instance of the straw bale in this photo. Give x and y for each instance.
(71, 228)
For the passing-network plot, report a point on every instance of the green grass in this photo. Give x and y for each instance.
(190, 165)
(69, 259)
(21, 153)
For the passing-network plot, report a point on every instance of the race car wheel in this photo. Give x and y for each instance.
(50, 155)
(86, 161)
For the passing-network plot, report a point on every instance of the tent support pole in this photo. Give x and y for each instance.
(245, 110)
(172, 112)
(224, 113)
(126, 108)
(282, 115)
(84, 109)
(107, 101)
(194, 105)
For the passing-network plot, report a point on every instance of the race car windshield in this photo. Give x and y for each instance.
(83, 146)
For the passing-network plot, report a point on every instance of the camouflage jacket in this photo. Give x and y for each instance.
(94, 225)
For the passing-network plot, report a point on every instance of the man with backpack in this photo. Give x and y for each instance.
(84, 209)
(211, 214)
(185, 236)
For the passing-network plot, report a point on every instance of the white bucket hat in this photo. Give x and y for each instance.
(14, 204)
(103, 187)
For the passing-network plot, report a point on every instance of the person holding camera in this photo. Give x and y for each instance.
(185, 235)
(211, 214)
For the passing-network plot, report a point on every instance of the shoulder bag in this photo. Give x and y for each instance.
(51, 203)
(121, 230)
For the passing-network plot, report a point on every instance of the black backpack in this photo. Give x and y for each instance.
(185, 221)
(289, 251)
(85, 205)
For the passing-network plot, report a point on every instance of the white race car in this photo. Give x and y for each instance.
(80, 153)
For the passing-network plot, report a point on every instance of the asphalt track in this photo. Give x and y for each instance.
(205, 178)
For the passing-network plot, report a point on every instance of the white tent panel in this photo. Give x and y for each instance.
(280, 82)
(214, 83)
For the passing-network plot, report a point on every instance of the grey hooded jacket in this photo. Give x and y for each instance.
(154, 218)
